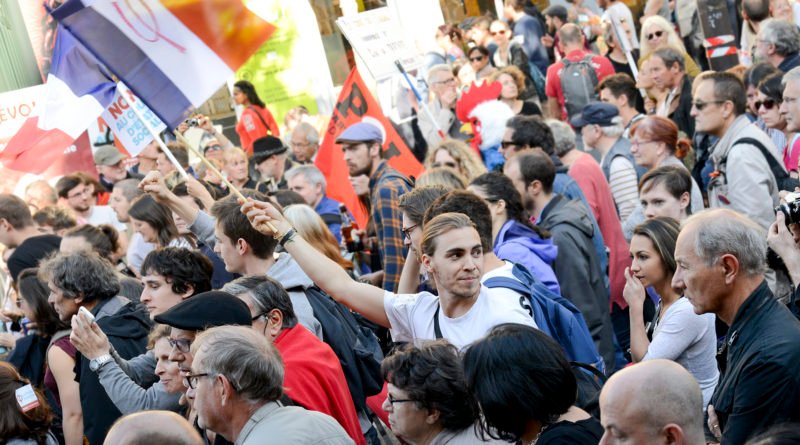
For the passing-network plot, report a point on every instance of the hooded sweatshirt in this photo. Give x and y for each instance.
(577, 268)
(287, 272)
(127, 329)
(519, 243)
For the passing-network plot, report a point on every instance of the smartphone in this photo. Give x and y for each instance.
(86, 312)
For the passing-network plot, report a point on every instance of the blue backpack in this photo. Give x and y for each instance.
(554, 315)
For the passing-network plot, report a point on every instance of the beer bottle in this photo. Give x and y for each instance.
(353, 243)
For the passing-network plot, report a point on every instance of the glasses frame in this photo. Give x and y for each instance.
(772, 103)
(392, 400)
(190, 380)
(701, 105)
(407, 231)
(176, 344)
(658, 33)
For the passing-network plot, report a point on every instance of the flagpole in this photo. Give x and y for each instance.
(213, 168)
(157, 138)
(422, 103)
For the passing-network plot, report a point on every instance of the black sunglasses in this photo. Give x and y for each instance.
(767, 103)
(655, 34)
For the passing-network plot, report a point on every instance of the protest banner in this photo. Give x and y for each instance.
(719, 40)
(377, 37)
(354, 104)
(124, 123)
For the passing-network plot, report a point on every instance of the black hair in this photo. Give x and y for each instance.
(249, 90)
(104, 238)
(35, 292)
(533, 132)
(145, 208)
(497, 186)
(495, 365)
(770, 86)
(181, 268)
(535, 166)
(433, 377)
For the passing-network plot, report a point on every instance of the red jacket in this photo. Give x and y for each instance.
(313, 378)
(251, 126)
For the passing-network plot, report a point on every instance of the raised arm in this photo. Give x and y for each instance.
(329, 276)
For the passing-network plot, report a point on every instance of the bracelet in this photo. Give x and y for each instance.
(287, 237)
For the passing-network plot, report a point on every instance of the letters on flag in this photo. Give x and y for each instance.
(173, 54)
(129, 130)
(354, 104)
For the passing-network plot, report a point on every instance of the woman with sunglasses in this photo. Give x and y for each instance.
(511, 53)
(479, 67)
(657, 33)
(676, 332)
(769, 96)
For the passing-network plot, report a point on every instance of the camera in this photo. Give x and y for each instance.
(791, 208)
(192, 122)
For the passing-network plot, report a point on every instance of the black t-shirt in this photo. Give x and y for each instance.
(530, 108)
(582, 432)
(31, 251)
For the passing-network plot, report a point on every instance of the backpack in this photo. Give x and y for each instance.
(554, 315)
(355, 345)
(782, 178)
(578, 84)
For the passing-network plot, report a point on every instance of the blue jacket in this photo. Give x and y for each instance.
(328, 206)
(520, 244)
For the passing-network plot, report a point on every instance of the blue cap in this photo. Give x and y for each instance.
(595, 113)
(360, 132)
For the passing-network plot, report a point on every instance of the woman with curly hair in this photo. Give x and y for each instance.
(513, 82)
(458, 156)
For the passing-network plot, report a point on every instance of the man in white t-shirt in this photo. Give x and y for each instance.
(75, 193)
(451, 253)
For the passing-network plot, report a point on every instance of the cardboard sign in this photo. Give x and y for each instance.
(354, 104)
(379, 40)
(127, 127)
(718, 41)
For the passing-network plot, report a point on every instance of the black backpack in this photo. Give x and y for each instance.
(782, 178)
(355, 345)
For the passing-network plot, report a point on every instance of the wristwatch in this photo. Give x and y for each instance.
(96, 363)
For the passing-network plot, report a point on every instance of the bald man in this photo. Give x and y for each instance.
(152, 428)
(653, 402)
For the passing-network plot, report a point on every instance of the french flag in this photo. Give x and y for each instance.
(173, 55)
(75, 94)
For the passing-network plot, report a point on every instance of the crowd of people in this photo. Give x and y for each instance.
(615, 261)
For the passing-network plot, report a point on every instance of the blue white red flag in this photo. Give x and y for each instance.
(77, 90)
(173, 54)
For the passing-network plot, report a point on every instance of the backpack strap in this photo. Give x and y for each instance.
(508, 283)
(777, 170)
(331, 218)
(436, 329)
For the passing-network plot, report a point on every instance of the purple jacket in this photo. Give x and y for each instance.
(520, 244)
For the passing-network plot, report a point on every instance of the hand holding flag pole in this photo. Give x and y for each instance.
(422, 103)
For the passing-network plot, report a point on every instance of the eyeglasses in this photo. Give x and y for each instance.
(181, 344)
(407, 231)
(767, 103)
(701, 105)
(476, 59)
(507, 144)
(256, 317)
(215, 147)
(640, 143)
(655, 34)
(448, 82)
(190, 380)
(500, 32)
(392, 400)
(444, 164)
(84, 192)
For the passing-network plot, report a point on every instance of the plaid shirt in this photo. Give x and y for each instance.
(387, 185)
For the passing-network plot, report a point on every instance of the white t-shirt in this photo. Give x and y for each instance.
(105, 215)
(505, 293)
(411, 316)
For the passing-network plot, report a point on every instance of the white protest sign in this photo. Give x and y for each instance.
(378, 38)
(15, 108)
(127, 127)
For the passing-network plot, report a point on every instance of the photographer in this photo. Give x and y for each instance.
(784, 239)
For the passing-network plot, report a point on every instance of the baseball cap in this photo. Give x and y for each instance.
(595, 113)
(107, 155)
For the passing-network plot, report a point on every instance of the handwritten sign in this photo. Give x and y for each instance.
(379, 40)
(127, 127)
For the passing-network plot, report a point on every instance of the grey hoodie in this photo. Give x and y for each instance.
(578, 269)
(287, 272)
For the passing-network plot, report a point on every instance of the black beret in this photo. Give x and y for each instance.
(207, 310)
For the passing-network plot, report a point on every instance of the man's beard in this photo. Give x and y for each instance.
(366, 170)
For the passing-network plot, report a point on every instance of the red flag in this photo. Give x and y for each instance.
(354, 104)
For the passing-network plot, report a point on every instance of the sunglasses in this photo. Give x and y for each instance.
(508, 144)
(701, 105)
(767, 103)
(655, 34)
(501, 32)
(476, 59)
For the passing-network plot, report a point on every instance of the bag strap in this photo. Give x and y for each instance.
(261, 118)
(508, 283)
(331, 218)
(777, 170)
(591, 369)
(436, 329)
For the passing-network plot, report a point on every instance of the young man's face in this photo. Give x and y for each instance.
(158, 295)
(457, 263)
(228, 251)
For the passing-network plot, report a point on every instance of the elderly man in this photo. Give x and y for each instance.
(778, 43)
(304, 142)
(111, 166)
(444, 86)
(743, 180)
(309, 182)
(668, 71)
(720, 268)
(152, 427)
(670, 411)
(269, 160)
(236, 379)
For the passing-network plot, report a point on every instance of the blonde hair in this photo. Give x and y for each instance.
(469, 163)
(443, 176)
(231, 152)
(312, 228)
(159, 331)
(659, 23)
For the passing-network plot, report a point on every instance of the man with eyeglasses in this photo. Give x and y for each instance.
(236, 381)
(76, 192)
(304, 143)
(742, 179)
(444, 86)
(188, 319)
